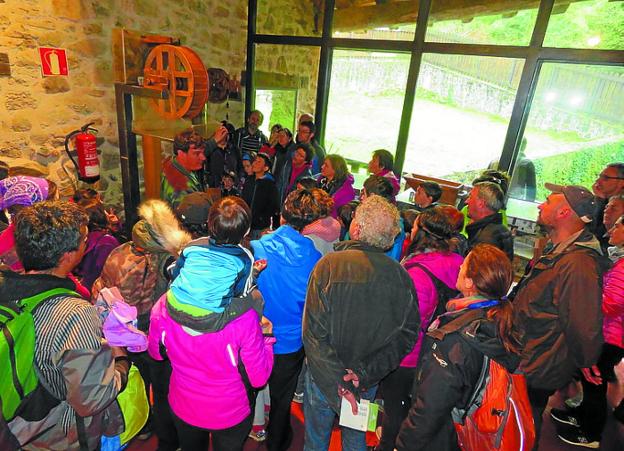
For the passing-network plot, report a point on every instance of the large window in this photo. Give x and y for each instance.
(365, 102)
(461, 111)
(574, 128)
(485, 84)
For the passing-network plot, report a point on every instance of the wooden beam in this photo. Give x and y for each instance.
(358, 17)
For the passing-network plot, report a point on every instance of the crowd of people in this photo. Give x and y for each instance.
(263, 276)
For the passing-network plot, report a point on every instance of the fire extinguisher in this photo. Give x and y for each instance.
(88, 165)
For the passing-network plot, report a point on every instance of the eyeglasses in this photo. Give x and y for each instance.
(609, 177)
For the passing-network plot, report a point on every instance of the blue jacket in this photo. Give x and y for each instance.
(290, 259)
(209, 275)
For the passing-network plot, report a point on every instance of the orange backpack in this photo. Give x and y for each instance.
(498, 416)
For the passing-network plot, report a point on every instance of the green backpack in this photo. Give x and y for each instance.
(19, 382)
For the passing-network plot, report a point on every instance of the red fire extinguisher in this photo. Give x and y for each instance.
(88, 165)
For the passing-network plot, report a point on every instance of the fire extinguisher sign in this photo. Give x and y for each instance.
(53, 61)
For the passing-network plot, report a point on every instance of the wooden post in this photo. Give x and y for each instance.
(151, 166)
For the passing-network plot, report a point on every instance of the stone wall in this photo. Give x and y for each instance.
(36, 112)
(298, 63)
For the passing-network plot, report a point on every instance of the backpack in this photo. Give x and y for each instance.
(139, 276)
(444, 292)
(498, 414)
(21, 392)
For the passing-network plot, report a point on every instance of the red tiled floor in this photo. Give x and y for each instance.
(613, 437)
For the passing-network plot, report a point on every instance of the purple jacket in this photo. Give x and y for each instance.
(343, 195)
(613, 305)
(99, 245)
(445, 266)
(206, 388)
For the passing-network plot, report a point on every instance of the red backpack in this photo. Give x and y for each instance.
(498, 415)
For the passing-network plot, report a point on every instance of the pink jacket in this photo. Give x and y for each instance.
(613, 305)
(445, 266)
(206, 388)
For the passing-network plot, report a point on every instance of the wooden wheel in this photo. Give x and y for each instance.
(181, 71)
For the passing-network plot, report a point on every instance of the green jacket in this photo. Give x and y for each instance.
(176, 182)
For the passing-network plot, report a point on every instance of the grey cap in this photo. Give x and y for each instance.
(580, 199)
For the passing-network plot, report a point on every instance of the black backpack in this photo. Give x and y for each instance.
(445, 293)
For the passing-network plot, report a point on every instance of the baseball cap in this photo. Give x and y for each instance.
(194, 208)
(580, 199)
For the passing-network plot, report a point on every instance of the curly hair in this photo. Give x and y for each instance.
(303, 207)
(377, 221)
(45, 231)
(184, 140)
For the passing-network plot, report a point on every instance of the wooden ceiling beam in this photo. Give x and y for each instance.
(357, 18)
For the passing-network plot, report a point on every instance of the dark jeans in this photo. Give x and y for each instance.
(592, 413)
(319, 419)
(193, 438)
(282, 384)
(396, 389)
(162, 418)
(538, 398)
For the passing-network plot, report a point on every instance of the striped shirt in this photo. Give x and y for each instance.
(249, 143)
(61, 324)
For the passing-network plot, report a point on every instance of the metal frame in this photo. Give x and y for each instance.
(128, 157)
(534, 55)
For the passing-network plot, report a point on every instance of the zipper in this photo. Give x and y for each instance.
(11, 342)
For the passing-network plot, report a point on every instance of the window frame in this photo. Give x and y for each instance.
(534, 55)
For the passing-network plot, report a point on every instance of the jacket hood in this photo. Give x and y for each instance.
(159, 230)
(14, 286)
(326, 228)
(356, 245)
(482, 336)
(287, 247)
(480, 333)
(495, 218)
(588, 239)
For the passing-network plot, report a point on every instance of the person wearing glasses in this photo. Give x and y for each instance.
(305, 134)
(610, 182)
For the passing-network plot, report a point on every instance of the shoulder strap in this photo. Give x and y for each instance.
(461, 321)
(29, 304)
(459, 414)
(442, 291)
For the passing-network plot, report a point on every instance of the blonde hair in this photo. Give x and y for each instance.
(378, 222)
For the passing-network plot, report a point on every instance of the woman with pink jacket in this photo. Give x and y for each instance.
(215, 342)
(428, 255)
(584, 424)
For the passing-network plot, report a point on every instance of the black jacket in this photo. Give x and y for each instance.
(220, 160)
(450, 369)
(491, 230)
(282, 157)
(361, 313)
(263, 200)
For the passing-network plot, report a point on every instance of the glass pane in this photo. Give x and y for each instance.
(281, 73)
(395, 21)
(365, 103)
(290, 17)
(279, 106)
(461, 113)
(574, 128)
(463, 22)
(596, 24)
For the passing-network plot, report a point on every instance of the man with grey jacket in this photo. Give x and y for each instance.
(80, 375)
